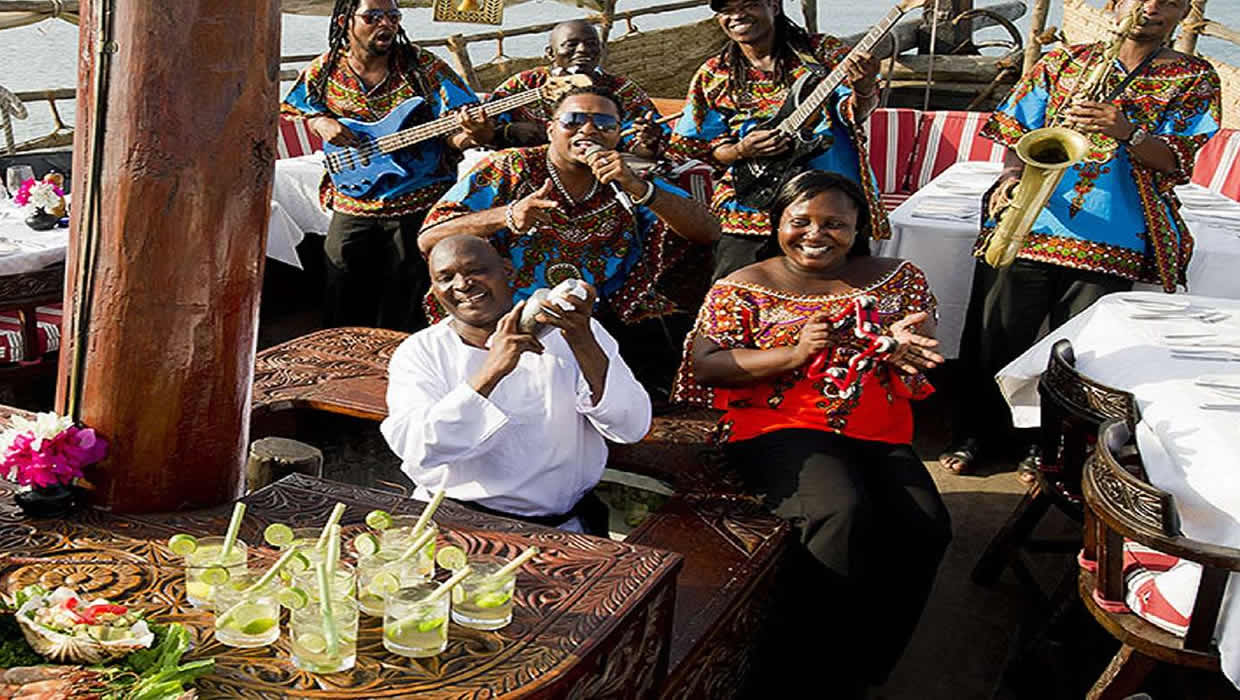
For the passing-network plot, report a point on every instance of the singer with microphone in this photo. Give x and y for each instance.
(573, 209)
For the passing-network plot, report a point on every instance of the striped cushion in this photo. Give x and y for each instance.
(1217, 166)
(892, 137)
(946, 138)
(295, 139)
(11, 349)
(891, 200)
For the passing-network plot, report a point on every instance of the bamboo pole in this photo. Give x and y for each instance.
(1220, 31)
(1033, 47)
(809, 8)
(1193, 24)
(607, 21)
(460, 56)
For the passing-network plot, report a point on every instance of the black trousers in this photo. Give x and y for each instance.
(376, 276)
(734, 252)
(874, 528)
(1009, 310)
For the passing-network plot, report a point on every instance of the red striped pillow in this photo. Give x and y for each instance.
(1217, 164)
(892, 137)
(946, 138)
(295, 139)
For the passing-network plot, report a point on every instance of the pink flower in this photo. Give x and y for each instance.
(48, 461)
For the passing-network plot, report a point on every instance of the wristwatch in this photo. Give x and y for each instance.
(1137, 136)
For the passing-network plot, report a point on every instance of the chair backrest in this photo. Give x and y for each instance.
(24, 298)
(295, 139)
(1073, 408)
(891, 134)
(1218, 164)
(1122, 506)
(946, 138)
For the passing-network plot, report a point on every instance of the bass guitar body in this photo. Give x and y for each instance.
(758, 180)
(356, 170)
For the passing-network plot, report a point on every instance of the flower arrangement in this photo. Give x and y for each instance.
(48, 451)
(41, 194)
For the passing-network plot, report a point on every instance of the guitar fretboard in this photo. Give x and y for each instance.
(810, 106)
(449, 124)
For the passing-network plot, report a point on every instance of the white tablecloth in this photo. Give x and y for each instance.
(295, 209)
(22, 249)
(1188, 451)
(937, 226)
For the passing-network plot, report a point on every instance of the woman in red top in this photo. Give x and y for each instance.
(815, 353)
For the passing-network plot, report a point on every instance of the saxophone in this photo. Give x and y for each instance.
(1048, 152)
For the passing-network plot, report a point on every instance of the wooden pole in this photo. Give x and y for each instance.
(1193, 22)
(809, 8)
(1037, 25)
(172, 191)
(460, 56)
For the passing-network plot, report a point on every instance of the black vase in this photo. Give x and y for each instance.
(47, 501)
(41, 221)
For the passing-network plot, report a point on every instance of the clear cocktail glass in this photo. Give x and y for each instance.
(483, 601)
(381, 573)
(199, 584)
(246, 618)
(414, 626)
(312, 648)
(343, 582)
(398, 537)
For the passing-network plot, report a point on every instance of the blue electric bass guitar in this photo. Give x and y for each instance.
(356, 170)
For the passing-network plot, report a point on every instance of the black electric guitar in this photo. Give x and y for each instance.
(757, 180)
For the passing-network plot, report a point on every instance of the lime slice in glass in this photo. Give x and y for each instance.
(183, 545)
(312, 642)
(297, 563)
(215, 575)
(292, 598)
(254, 622)
(379, 519)
(366, 544)
(428, 625)
(451, 558)
(493, 599)
(198, 590)
(384, 582)
(278, 535)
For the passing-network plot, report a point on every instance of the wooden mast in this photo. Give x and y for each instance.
(1033, 45)
(1193, 23)
(172, 190)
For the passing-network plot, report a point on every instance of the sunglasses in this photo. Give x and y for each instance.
(377, 16)
(576, 120)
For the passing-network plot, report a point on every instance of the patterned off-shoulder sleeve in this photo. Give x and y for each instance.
(726, 318)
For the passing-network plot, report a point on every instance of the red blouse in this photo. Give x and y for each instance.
(742, 315)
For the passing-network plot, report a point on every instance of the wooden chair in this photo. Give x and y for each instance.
(1120, 505)
(1073, 408)
(30, 301)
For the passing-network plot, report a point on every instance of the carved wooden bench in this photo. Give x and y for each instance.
(730, 544)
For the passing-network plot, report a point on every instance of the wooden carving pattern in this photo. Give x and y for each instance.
(1092, 400)
(307, 367)
(580, 592)
(741, 520)
(39, 286)
(1132, 499)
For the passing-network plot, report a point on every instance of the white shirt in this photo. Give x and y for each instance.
(534, 447)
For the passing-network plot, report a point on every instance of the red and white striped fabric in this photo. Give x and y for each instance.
(11, 349)
(295, 139)
(1218, 164)
(892, 137)
(946, 138)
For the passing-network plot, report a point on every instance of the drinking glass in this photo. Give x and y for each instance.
(15, 176)
(398, 537)
(414, 627)
(343, 582)
(198, 588)
(313, 647)
(246, 619)
(373, 588)
(483, 601)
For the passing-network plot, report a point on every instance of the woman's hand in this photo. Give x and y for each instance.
(915, 351)
(815, 336)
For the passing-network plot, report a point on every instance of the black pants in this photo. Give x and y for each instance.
(1009, 310)
(734, 252)
(874, 528)
(376, 276)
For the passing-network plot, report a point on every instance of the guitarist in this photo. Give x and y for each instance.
(373, 266)
(745, 85)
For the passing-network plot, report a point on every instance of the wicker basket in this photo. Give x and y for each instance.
(64, 648)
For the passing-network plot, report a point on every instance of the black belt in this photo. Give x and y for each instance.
(588, 509)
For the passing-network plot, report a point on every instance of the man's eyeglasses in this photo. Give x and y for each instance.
(576, 120)
(377, 16)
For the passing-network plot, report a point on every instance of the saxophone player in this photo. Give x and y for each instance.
(1110, 221)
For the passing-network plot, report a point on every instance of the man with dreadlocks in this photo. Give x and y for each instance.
(745, 85)
(374, 271)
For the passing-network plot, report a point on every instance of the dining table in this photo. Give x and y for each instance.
(1180, 357)
(22, 249)
(937, 227)
(592, 617)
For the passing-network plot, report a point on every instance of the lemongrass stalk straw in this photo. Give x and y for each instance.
(325, 609)
(333, 519)
(428, 511)
(434, 595)
(416, 546)
(234, 526)
(332, 555)
(515, 564)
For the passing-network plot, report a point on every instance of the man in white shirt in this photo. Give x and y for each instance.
(506, 422)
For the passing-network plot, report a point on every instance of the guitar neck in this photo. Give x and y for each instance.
(450, 124)
(810, 106)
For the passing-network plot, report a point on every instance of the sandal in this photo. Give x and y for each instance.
(963, 455)
(1027, 469)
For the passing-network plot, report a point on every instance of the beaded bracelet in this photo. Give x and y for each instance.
(646, 196)
(511, 221)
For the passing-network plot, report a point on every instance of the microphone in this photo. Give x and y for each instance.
(621, 195)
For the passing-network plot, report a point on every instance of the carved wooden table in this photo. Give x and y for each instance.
(592, 617)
